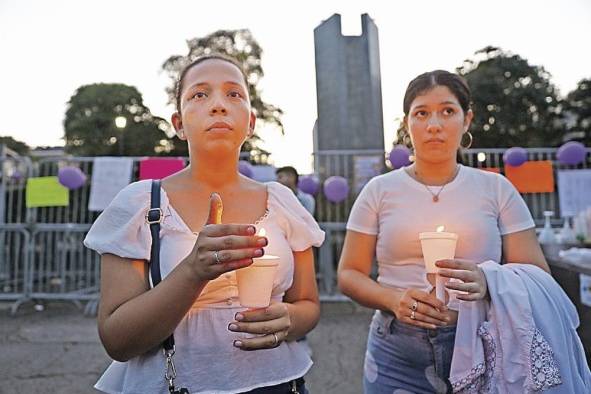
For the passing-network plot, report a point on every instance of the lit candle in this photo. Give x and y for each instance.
(438, 245)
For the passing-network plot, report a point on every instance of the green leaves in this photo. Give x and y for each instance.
(90, 128)
(241, 45)
(514, 103)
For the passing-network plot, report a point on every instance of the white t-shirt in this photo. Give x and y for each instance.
(205, 359)
(477, 205)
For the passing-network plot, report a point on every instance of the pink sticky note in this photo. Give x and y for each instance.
(158, 168)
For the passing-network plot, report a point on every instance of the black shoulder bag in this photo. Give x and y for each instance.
(154, 217)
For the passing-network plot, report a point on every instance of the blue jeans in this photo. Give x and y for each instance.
(403, 359)
(282, 388)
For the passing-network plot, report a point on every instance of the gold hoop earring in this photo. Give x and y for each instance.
(470, 142)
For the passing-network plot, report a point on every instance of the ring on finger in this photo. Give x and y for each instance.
(414, 306)
(216, 256)
(275, 340)
(412, 315)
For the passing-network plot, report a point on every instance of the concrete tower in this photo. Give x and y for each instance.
(348, 87)
(349, 130)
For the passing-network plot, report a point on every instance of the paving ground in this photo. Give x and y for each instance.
(57, 350)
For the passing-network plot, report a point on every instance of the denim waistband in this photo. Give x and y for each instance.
(386, 320)
(280, 388)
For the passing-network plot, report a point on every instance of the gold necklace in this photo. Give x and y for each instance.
(436, 195)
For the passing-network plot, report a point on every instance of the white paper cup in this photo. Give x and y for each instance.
(255, 282)
(437, 246)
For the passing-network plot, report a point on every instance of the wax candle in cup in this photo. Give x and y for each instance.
(255, 282)
(438, 245)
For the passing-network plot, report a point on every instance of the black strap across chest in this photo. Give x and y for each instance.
(154, 217)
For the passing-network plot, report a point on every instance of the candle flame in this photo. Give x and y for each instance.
(440, 229)
(262, 232)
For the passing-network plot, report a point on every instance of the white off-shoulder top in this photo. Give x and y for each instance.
(206, 360)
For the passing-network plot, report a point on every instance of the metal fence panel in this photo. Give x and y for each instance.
(14, 263)
(61, 267)
(41, 250)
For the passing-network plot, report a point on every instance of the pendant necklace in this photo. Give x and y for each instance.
(435, 196)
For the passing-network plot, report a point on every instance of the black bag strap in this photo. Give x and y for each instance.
(154, 217)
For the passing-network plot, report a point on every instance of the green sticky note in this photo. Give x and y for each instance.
(46, 191)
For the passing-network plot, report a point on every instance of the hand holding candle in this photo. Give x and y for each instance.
(470, 281)
(438, 245)
(221, 248)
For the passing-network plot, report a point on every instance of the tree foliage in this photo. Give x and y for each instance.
(514, 103)
(18, 146)
(578, 112)
(241, 45)
(90, 128)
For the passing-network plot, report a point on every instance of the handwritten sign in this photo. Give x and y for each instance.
(109, 176)
(574, 191)
(46, 191)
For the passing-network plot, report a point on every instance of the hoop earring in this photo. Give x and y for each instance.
(470, 142)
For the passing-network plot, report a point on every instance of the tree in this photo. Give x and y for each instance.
(241, 45)
(514, 103)
(578, 112)
(19, 147)
(90, 128)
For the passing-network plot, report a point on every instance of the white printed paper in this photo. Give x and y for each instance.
(585, 284)
(574, 191)
(109, 176)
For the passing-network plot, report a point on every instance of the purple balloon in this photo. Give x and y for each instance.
(71, 177)
(515, 156)
(399, 156)
(309, 184)
(245, 168)
(336, 189)
(571, 153)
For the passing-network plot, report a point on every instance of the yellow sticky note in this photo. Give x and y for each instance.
(46, 191)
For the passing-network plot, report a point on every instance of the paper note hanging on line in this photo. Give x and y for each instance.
(46, 191)
(158, 168)
(109, 176)
(574, 191)
(585, 285)
(532, 177)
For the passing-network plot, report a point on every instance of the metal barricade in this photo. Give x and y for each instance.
(14, 264)
(332, 217)
(14, 234)
(61, 267)
(327, 261)
(42, 256)
(537, 202)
